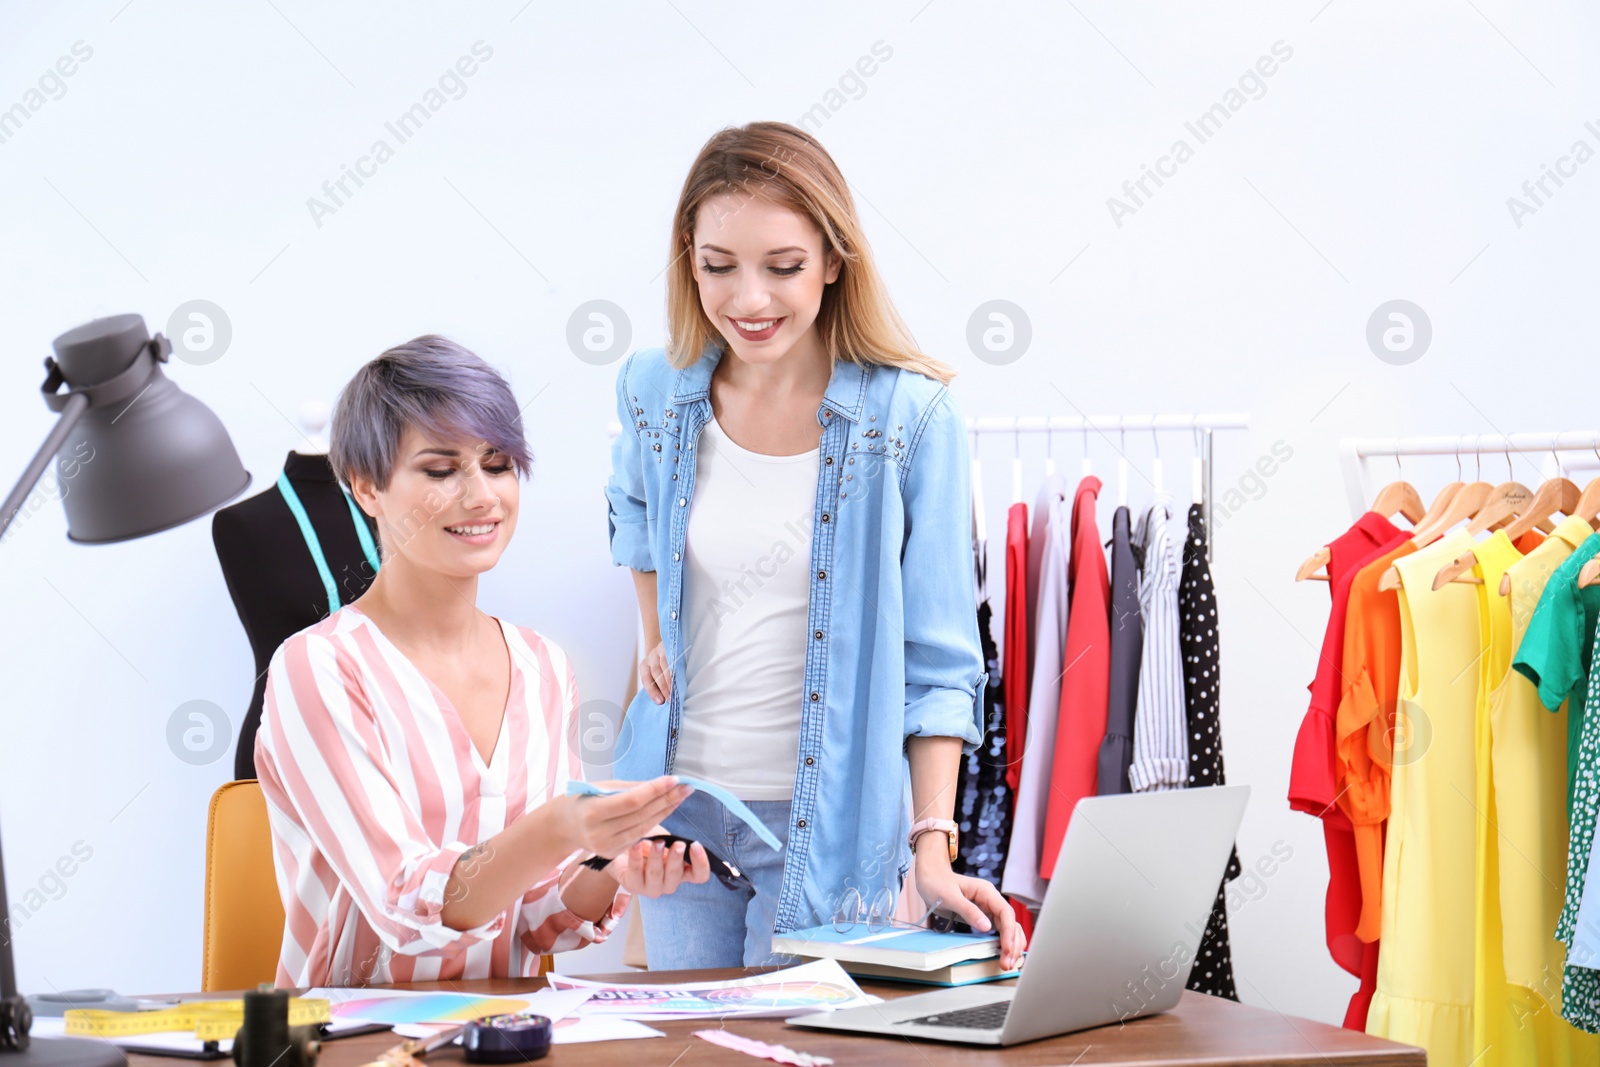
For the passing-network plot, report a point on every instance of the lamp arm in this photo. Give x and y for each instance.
(72, 410)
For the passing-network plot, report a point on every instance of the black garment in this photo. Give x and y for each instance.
(1127, 645)
(1197, 637)
(983, 800)
(271, 575)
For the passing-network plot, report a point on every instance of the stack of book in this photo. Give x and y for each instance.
(902, 954)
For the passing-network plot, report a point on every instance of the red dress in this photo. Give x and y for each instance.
(1312, 777)
(1014, 671)
(1086, 679)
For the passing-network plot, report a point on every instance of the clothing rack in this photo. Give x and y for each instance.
(1354, 452)
(1201, 425)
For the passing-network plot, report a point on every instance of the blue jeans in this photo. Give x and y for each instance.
(710, 925)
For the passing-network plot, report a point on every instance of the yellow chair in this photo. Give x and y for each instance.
(243, 915)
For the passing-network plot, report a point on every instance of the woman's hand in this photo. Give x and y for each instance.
(651, 869)
(606, 825)
(654, 674)
(972, 900)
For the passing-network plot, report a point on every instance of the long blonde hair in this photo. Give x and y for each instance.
(785, 165)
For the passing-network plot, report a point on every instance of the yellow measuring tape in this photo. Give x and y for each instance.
(210, 1020)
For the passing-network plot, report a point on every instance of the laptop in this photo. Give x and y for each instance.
(1119, 928)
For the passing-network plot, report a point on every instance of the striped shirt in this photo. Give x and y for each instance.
(1160, 730)
(374, 789)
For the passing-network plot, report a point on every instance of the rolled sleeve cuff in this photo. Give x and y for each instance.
(630, 541)
(554, 927)
(416, 902)
(941, 712)
(1148, 776)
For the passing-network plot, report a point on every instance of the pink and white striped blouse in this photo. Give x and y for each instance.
(374, 789)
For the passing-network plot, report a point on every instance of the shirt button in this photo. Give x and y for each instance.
(818, 635)
(675, 557)
(674, 614)
(822, 574)
(801, 824)
(809, 761)
(828, 461)
(815, 697)
(683, 502)
(825, 517)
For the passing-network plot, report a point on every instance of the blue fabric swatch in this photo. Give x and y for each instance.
(725, 798)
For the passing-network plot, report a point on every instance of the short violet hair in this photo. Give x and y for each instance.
(437, 387)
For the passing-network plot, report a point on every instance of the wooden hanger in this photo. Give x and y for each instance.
(1439, 506)
(1422, 533)
(1556, 495)
(1311, 570)
(1507, 502)
(1396, 498)
(1463, 505)
(1588, 505)
(1399, 498)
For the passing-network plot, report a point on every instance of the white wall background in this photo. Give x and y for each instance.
(177, 164)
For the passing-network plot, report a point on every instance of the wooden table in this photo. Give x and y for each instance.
(1200, 1030)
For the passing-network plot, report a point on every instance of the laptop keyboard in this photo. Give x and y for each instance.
(983, 1017)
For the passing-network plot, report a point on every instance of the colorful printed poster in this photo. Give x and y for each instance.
(384, 1007)
(821, 985)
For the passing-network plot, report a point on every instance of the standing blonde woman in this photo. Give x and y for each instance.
(791, 492)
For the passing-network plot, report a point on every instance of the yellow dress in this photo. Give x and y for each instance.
(1522, 829)
(1425, 990)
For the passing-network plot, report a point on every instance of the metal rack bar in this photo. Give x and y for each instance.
(1355, 451)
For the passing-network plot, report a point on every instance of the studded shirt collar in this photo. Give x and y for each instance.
(846, 393)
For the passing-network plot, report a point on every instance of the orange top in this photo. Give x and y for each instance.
(1365, 723)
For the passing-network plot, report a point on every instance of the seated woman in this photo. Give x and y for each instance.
(411, 746)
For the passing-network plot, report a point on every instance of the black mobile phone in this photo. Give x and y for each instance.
(725, 872)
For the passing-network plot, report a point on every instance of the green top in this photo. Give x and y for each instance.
(1558, 647)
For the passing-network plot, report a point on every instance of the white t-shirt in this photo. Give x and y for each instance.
(746, 600)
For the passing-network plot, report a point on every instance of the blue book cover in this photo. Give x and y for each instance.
(918, 948)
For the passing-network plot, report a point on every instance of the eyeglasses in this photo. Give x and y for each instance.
(853, 911)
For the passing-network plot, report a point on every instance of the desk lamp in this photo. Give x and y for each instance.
(137, 456)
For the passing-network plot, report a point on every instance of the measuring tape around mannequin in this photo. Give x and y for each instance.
(314, 543)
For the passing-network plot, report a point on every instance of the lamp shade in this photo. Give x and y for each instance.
(145, 455)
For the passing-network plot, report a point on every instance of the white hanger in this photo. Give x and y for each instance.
(1155, 440)
(1122, 464)
(1016, 461)
(1197, 473)
(1088, 467)
(1049, 449)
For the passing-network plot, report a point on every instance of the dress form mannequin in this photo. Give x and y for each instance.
(271, 572)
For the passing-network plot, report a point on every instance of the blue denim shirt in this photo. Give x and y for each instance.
(892, 644)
